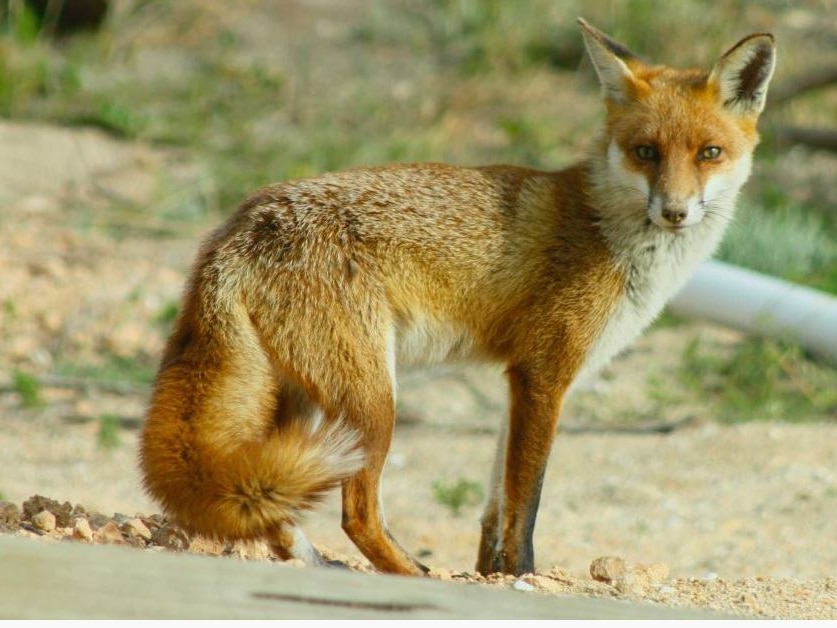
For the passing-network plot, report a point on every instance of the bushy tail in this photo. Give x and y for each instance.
(223, 466)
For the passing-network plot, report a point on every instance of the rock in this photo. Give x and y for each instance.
(521, 585)
(539, 581)
(37, 503)
(632, 585)
(213, 547)
(608, 569)
(157, 520)
(44, 521)
(109, 533)
(82, 530)
(135, 528)
(121, 518)
(639, 579)
(10, 517)
(657, 573)
(170, 537)
(560, 574)
(97, 520)
(632, 579)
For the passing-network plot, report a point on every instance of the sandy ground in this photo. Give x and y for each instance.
(742, 518)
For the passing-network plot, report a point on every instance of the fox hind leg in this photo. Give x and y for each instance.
(363, 517)
(366, 403)
(289, 542)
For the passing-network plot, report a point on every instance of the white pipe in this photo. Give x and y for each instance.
(758, 303)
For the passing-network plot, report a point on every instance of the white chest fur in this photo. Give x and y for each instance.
(655, 264)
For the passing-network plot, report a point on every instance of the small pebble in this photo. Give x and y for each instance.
(522, 585)
(135, 528)
(44, 521)
(109, 533)
(608, 569)
(10, 517)
(82, 530)
(171, 538)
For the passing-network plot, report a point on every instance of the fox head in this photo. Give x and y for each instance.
(679, 142)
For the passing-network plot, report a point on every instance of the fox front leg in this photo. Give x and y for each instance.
(509, 520)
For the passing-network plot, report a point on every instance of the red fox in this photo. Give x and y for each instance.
(278, 382)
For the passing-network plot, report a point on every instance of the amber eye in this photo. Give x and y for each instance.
(710, 153)
(647, 153)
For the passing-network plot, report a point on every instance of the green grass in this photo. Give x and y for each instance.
(168, 313)
(477, 36)
(760, 378)
(457, 495)
(10, 308)
(112, 368)
(108, 437)
(796, 245)
(29, 389)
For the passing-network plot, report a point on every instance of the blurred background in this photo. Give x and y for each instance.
(129, 128)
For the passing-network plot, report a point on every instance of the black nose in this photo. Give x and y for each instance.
(675, 215)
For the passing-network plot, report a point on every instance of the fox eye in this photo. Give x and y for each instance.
(647, 153)
(710, 153)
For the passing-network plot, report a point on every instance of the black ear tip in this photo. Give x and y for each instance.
(586, 26)
(765, 41)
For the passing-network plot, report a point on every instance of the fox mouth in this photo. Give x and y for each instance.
(668, 227)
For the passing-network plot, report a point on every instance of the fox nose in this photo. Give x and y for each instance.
(675, 215)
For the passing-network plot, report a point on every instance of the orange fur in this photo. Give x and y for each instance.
(278, 382)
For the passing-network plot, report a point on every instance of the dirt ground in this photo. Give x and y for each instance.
(738, 518)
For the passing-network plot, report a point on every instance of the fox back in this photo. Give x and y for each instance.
(279, 380)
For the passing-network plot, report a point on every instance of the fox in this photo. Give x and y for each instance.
(278, 382)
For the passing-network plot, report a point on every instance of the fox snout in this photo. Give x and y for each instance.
(674, 213)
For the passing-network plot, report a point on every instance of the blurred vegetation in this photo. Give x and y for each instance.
(28, 389)
(456, 495)
(761, 378)
(249, 121)
(469, 81)
(111, 368)
(108, 437)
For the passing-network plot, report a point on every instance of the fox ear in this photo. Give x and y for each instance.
(743, 73)
(610, 59)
